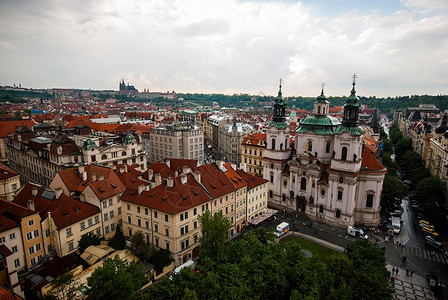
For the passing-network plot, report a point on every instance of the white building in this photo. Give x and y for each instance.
(330, 174)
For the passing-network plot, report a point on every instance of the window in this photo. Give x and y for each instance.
(111, 202)
(186, 216)
(195, 211)
(369, 201)
(327, 148)
(93, 157)
(106, 229)
(31, 250)
(303, 184)
(321, 209)
(47, 233)
(128, 207)
(38, 247)
(33, 261)
(106, 217)
(157, 241)
(14, 187)
(167, 246)
(146, 211)
(155, 214)
(181, 217)
(111, 214)
(195, 238)
(30, 222)
(310, 146)
(70, 246)
(339, 195)
(273, 144)
(112, 227)
(285, 183)
(12, 236)
(272, 179)
(139, 222)
(90, 222)
(344, 153)
(138, 209)
(119, 210)
(14, 249)
(69, 232)
(97, 219)
(166, 218)
(167, 231)
(49, 248)
(311, 200)
(129, 219)
(98, 232)
(17, 262)
(36, 233)
(341, 179)
(147, 224)
(83, 225)
(195, 224)
(184, 230)
(322, 192)
(156, 227)
(270, 194)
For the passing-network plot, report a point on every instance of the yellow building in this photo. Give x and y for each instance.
(252, 153)
(9, 182)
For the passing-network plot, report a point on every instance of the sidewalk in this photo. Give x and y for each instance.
(407, 287)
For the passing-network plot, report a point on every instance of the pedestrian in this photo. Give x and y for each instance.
(412, 272)
(396, 271)
(407, 271)
(392, 280)
(393, 270)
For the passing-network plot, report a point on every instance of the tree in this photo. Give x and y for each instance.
(87, 240)
(140, 248)
(161, 259)
(214, 234)
(429, 187)
(402, 146)
(115, 279)
(264, 234)
(118, 241)
(65, 286)
(394, 190)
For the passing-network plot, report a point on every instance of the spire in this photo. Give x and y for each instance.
(279, 115)
(280, 89)
(353, 98)
(351, 107)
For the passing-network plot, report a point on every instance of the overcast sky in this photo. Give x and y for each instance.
(228, 46)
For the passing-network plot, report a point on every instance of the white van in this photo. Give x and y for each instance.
(356, 232)
(188, 264)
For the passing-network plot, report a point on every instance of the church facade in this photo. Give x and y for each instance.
(329, 172)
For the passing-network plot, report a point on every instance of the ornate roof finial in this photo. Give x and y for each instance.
(354, 78)
(323, 85)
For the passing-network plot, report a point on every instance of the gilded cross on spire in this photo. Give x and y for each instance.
(323, 86)
(280, 83)
(354, 78)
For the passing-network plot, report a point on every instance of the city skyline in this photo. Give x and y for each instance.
(395, 47)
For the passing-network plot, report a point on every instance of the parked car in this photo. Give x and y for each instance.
(430, 231)
(431, 239)
(434, 246)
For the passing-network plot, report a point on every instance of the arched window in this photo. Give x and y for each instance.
(291, 194)
(355, 157)
(338, 213)
(327, 148)
(323, 110)
(310, 146)
(286, 144)
(303, 184)
(123, 153)
(283, 197)
(311, 200)
(344, 153)
(285, 183)
(104, 156)
(273, 144)
(281, 146)
(321, 209)
(272, 166)
(369, 202)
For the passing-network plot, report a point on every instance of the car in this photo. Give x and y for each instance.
(431, 239)
(428, 226)
(396, 213)
(430, 231)
(421, 216)
(434, 246)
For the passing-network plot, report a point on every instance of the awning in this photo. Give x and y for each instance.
(260, 218)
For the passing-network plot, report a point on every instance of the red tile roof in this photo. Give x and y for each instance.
(8, 128)
(65, 211)
(214, 180)
(130, 177)
(4, 250)
(370, 163)
(171, 200)
(7, 223)
(6, 294)
(254, 138)
(110, 186)
(235, 178)
(252, 180)
(14, 211)
(6, 172)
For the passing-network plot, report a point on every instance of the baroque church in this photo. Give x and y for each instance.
(328, 172)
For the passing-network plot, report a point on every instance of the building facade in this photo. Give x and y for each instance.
(252, 151)
(230, 138)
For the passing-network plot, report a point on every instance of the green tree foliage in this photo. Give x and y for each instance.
(214, 234)
(395, 134)
(390, 164)
(87, 240)
(65, 286)
(250, 269)
(414, 168)
(394, 190)
(265, 235)
(402, 146)
(140, 248)
(161, 259)
(115, 279)
(118, 241)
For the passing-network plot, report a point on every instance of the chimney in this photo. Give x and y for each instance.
(176, 173)
(243, 166)
(126, 168)
(150, 174)
(158, 179)
(197, 176)
(34, 191)
(186, 170)
(93, 177)
(58, 192)
(121, 170)
(183, 179)
(84, 176)
(233, 166)
(140, 189)
(81, 169)
(168, 163)
(170, 182)
(220, 164)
